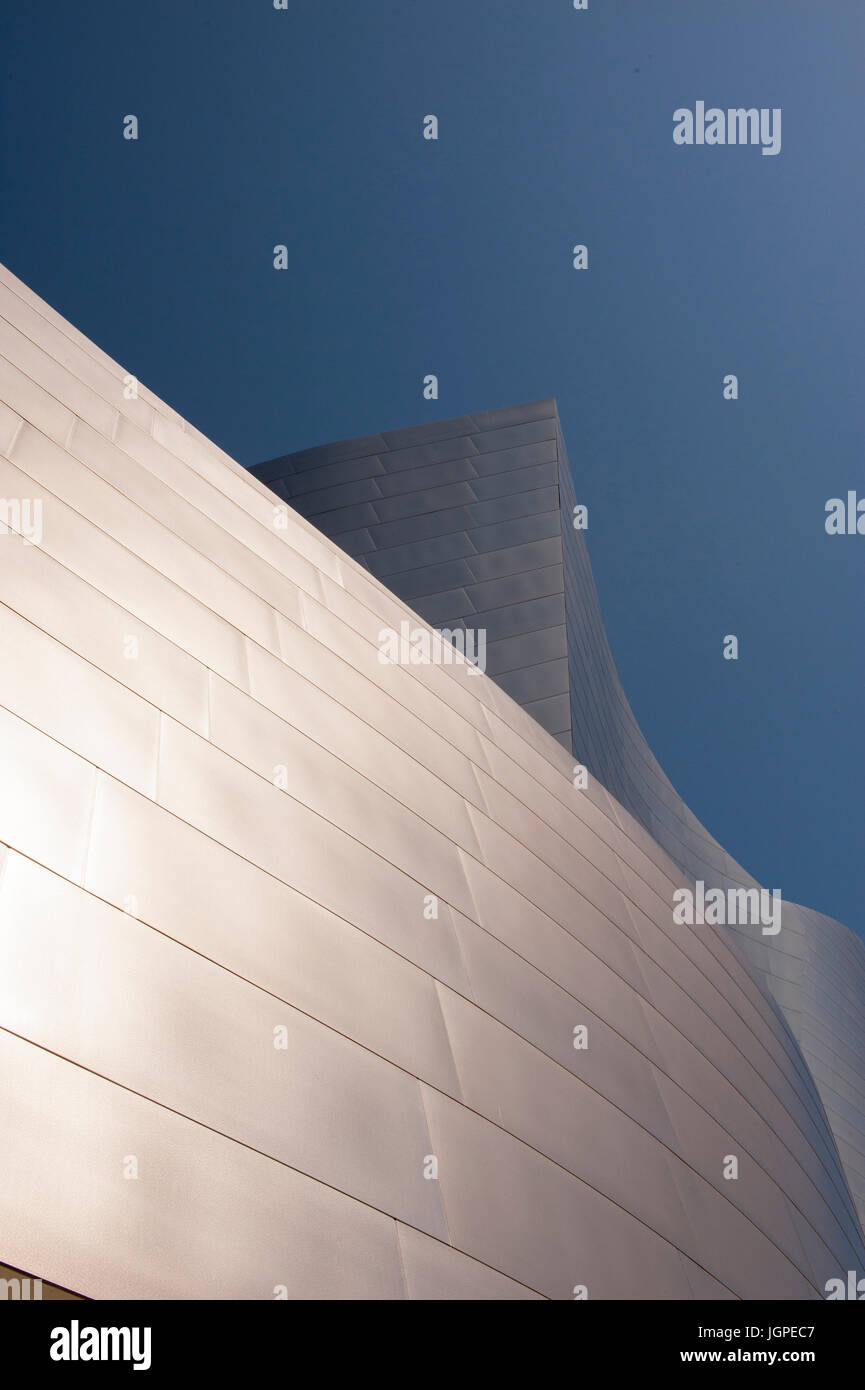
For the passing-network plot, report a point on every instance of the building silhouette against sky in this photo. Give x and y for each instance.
(319, 976)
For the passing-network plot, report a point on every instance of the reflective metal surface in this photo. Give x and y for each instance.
(294, 943)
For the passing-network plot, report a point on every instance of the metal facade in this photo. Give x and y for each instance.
(294, 942)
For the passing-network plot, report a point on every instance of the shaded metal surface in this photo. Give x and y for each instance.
(461, 519)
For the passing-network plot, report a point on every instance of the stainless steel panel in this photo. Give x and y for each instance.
(205, 1217)
(204, 1043)
(46, 797)
(435, 1271)
(73, 702)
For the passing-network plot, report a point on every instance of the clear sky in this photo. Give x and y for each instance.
(303, 127)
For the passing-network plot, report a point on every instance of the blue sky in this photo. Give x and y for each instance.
(303, 127)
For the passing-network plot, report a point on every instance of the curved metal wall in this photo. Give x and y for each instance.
(470, 521)
(815, 967)
(294, 942)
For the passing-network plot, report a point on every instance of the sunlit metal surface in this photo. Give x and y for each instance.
(294, 942)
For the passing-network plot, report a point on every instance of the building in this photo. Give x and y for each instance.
(300, 948)
(470, 521)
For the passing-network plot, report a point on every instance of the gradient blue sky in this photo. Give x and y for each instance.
(303, 127)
